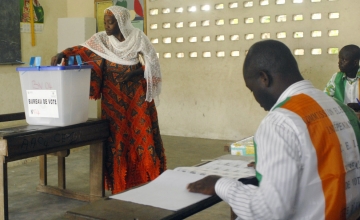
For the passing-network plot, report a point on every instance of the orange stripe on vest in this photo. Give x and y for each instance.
(330, 164)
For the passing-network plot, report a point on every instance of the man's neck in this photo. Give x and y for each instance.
(352, 74)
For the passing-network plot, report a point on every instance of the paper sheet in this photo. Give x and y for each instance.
(168, 191)
(234, 169)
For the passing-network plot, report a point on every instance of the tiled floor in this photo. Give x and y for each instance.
(26, 203)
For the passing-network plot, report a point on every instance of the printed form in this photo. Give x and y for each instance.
(168, 191)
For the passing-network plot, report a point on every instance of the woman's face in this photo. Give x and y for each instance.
(111, 25)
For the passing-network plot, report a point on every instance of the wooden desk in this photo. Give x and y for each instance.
(33, 140)
(113, 209)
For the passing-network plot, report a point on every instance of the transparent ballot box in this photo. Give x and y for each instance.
(55, 95)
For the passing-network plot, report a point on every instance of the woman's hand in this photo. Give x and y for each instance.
(55, 60)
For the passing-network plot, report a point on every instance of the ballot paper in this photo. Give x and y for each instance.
(167, 191)
(233, 169)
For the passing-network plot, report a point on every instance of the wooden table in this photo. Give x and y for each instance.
(113, 209)
(33, 140)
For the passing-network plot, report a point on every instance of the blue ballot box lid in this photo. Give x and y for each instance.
(53, 68)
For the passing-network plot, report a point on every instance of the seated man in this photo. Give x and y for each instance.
(344, 85)
(307, 152)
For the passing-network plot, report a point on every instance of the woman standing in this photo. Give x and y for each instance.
(134, 152)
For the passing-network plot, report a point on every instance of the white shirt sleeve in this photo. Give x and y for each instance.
(278, 162)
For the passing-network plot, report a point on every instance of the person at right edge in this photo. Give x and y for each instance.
(344, 85)
(307, 152)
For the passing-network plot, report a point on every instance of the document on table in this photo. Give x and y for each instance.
(233, 169)
(167, 191)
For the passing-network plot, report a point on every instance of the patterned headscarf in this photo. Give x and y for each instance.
(108, 12)
(127, 52)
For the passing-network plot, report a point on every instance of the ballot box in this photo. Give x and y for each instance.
(55, 95)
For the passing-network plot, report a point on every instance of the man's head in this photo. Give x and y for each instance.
(349, 57)
(269, 69)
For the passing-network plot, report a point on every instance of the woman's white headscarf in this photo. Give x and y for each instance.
(127, 51)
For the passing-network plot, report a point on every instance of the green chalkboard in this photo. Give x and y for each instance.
(10, 42)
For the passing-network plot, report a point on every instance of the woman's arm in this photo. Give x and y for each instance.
(72, 51)
(90, 58)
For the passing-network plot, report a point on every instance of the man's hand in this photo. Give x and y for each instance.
(252, 164)
(205, 186)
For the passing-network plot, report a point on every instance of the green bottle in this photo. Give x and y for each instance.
(39, 11)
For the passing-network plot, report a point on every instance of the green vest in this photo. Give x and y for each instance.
(340, 83)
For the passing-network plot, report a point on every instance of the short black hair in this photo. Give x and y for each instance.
(353, 49)
(270, 56)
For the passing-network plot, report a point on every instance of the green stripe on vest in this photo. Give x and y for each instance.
(353, 119)
(339, 86)
(258, 175)
(282, 103)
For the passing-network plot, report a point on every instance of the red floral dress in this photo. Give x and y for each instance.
(134, 151)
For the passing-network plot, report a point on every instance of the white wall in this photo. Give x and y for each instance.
(46, 47)
(206, 97)
(80, 8)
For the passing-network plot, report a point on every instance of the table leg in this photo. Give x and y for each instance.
(61, 173)
(4, 213)
(61, 167)
(232, 214)
(96, 170)
(43, 170)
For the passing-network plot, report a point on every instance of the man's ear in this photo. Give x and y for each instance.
(265, 78)
(356, 62)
